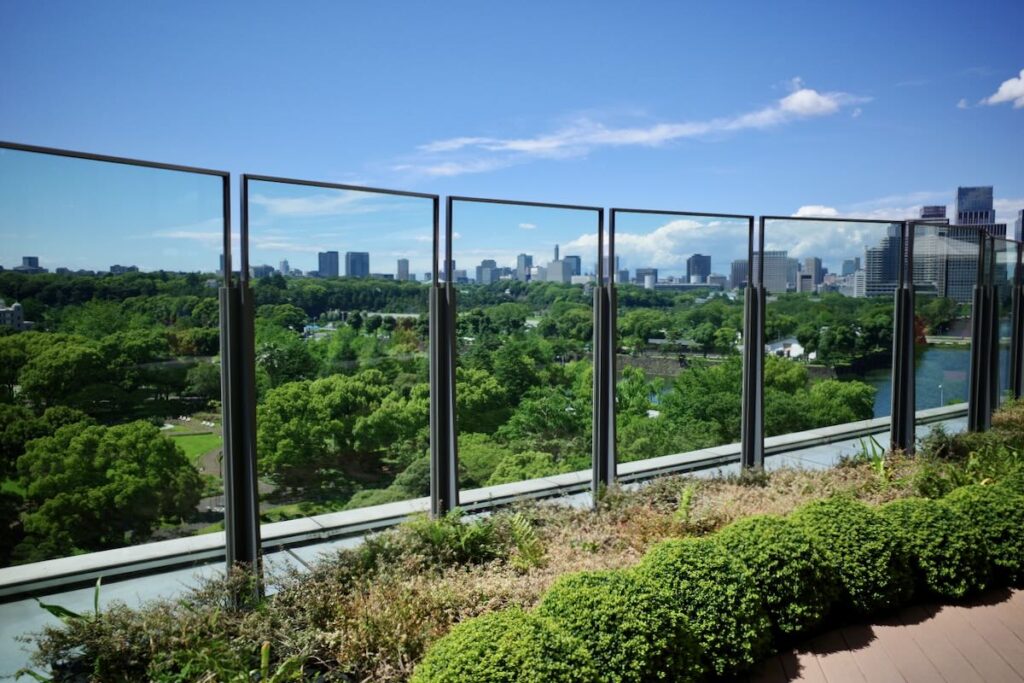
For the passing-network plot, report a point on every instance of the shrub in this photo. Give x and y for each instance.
(506, 646)
(634, 629)
(716, 593)
(998, 513)
(947, 551)
(862, 551)
(790, 572)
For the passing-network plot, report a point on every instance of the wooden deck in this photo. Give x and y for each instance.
(978, 642)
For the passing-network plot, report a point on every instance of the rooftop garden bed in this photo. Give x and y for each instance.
(682, 579)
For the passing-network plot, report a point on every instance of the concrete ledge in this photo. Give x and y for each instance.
(66, 573)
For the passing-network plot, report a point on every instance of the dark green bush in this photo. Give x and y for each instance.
(717, 595)
(862, 550)
(790, 572)
(505, 647)
(947, 551)
(998, 513)
(634, 628)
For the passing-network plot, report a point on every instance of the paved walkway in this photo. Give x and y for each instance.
(978, 642)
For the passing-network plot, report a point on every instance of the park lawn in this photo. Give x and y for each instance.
(197, 445)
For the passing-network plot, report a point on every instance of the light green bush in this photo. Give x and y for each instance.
(717, 594)
(635, 629)
(998, 513)
(789, 571)
(862, 550)
(947, 551)
(505, 647)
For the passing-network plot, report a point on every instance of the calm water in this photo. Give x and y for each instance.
(941, 377)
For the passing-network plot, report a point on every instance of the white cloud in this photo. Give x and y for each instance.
(527, 226)
(477, 154)
(962, 104)
(855, 114)
(324, 204)
(817, 211)
(1011, 90)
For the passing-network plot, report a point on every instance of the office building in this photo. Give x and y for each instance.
(559, 271)
(698, 267)
(974, 206)
(403, 269)
(261, 271)
(812, 265)
(718, 280)
(487, 272)
(29, 265)
(850, 266)
(328, 266)
(779, 271)
(622, 276)
(284, 268)
(738, 273)
(575, 263)
(882, 264)
(642, 273)
(1018, 226)
(121, 270)
(524, 262)
(357, 264)
(805, 282)
(935, 212)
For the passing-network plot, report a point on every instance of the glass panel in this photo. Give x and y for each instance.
(109, 341)
(945, 272)
(1004, 266)
(339, 280)
(680, 280)
(829, 321)
(525, 278)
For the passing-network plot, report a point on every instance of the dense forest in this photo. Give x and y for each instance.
(96, 402)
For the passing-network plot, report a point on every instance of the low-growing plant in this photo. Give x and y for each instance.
(634, 629)
(506, 646)
(529, 551)
(862, 551)
(998, 514)
(717, 595)
(948, 552)
(790, 572)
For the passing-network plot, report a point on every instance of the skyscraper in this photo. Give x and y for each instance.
(284, 267)
(738, 272)
(576, 263)
(882, 264)
(328, 264)
(556, 252)
(403, 269)
(1018, 226)
(357, 264)
(851, 265)
(812, 265)
(698, 267)
(487, 272)
(777, 267)
(642, 273)
(523, 264)
(974, 206)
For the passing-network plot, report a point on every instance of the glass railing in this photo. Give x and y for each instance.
(109, 340)
(339, 278)
(945, 270)
(828, 320)
(680, 280)
(524, 276)
(1003, 275)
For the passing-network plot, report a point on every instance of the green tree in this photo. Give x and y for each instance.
(203, 380)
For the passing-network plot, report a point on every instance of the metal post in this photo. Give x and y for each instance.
(902, 419)
(603, 412)
(752, 409)
(444, 491)
(1017, 328)
(979, 393)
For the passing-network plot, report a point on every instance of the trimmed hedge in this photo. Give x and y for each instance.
(505, 647)
(634, 629)
(718, 596)
(948, 553)
(863, 551)
(788, 569)
(998, 513)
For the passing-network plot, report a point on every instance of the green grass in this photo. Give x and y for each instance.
(197, 445)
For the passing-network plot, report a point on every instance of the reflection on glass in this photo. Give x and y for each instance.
(109, 376)
(828, 322)
(340, 282)
(680, 281)
(1002, 274)
(945, 271)
(525, 278)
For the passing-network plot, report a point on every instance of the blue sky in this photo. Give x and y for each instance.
(866, 109)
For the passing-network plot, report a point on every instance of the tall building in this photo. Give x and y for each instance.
(261, 271)
(29, 265)
(779, 270)
(328, 266)
(812, 265)
(642, 273)
(935, 212)
(1018, 227)
(974, 206)
(357, 264)
(622, 276)
(524, 262)
(851, 265)
(946, 262)
(576, 263)
(559, 271)
(556, 252)
(487, 272)
(403, 269)
(805, 282)
(284, 267)
(698, 267)
(882, 264)
(738, 272)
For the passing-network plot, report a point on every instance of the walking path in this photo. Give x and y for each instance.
(977, 642)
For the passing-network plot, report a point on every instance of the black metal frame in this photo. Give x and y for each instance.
(752, 408)
(602, 449)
